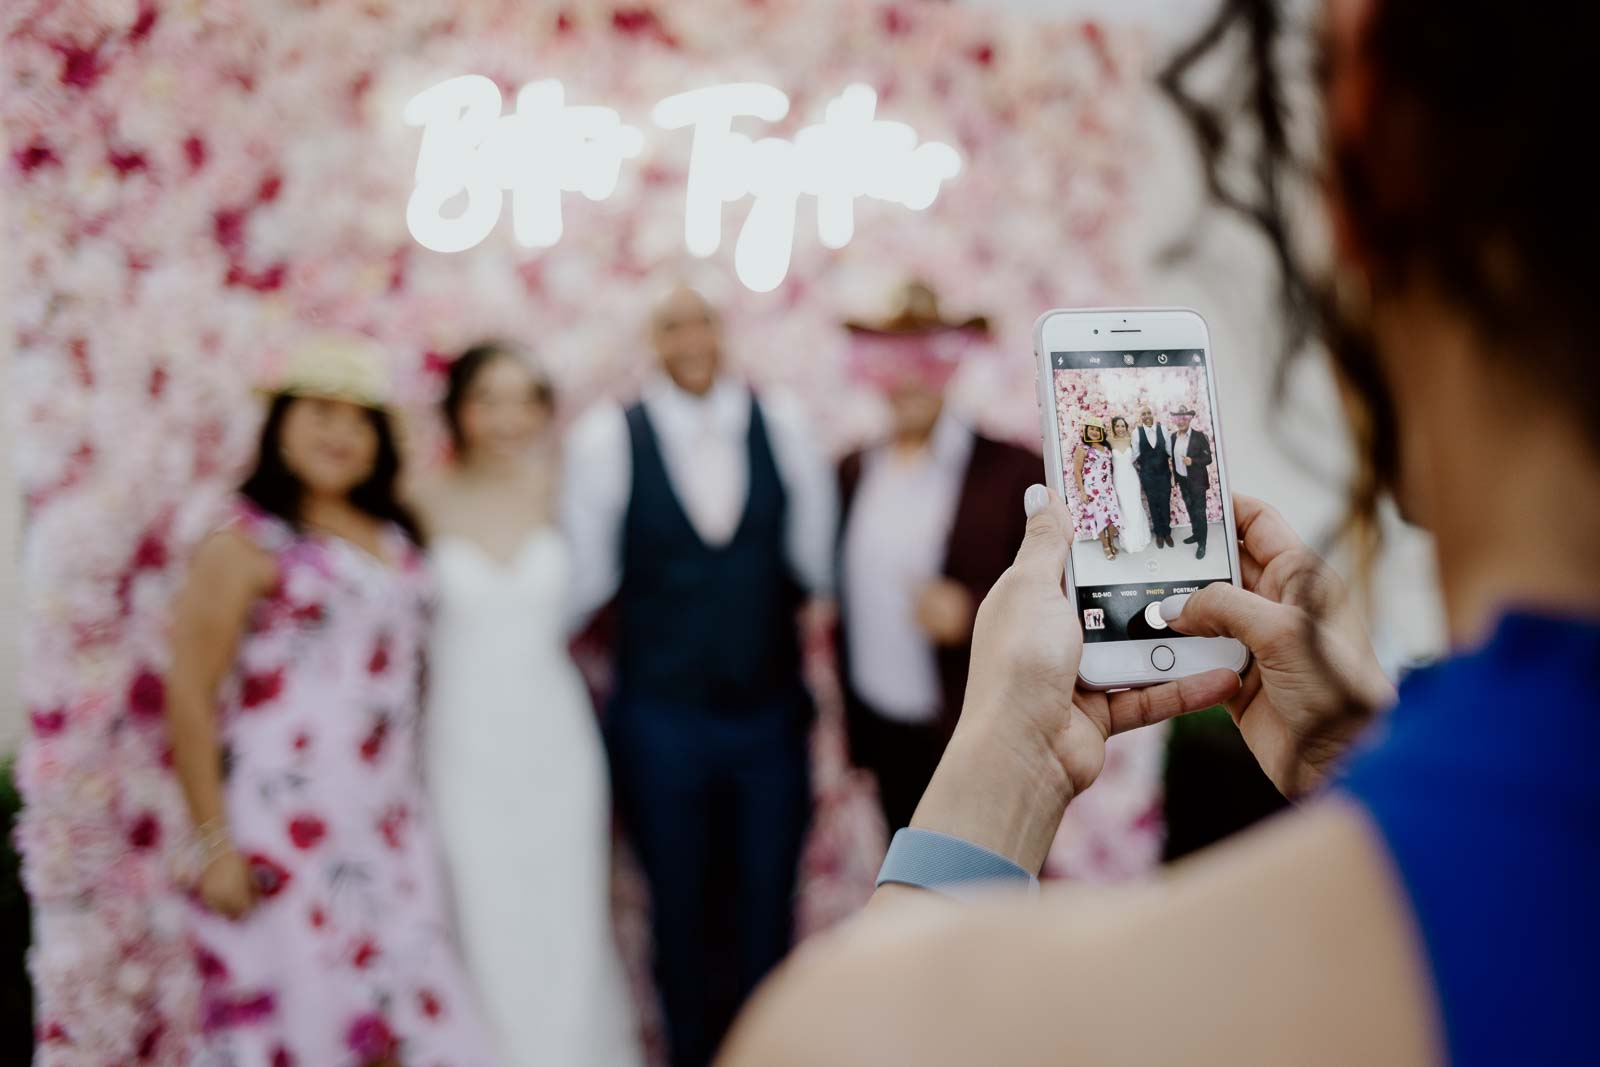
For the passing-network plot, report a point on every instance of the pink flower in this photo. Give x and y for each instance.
(370, 1038)
(429, 1002)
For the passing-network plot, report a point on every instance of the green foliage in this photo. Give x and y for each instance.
(16, 998)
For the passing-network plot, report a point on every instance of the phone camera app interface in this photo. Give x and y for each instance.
(1138, 447)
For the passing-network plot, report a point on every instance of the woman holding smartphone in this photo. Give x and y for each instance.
(319, 923)
(1432, 899)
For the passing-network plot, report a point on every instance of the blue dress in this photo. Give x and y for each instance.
(1485, 787)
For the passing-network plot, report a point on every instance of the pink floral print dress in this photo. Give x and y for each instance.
(348, 956)
(1097, 506)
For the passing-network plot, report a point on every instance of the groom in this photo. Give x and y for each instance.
(1191, 460)
(709, 512)
(1153, 459)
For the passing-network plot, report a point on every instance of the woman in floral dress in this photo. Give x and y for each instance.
(1098, 514)
(319, 924)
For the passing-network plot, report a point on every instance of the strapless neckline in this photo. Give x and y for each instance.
(537, 536)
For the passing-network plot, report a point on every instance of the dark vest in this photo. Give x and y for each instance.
(711, 627)
(1160, 449)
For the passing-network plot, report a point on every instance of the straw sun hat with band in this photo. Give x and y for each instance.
(334, 366)
(1097, 422)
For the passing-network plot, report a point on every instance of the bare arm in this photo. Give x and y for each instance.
(1261, 952)
(228, 575)
(1077, 469)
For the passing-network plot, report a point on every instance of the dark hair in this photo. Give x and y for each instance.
(1083, 432)
(464, 370)
(1116, 419)
(277, 490)
(1438, 190)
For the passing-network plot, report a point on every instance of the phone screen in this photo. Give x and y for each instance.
(1142, 483)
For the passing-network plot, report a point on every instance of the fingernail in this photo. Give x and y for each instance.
(1172, 607)
(1035, 500)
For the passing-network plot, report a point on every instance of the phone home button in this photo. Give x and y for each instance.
(1162, 658)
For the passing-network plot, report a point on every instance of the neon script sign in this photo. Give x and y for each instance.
(471, 152)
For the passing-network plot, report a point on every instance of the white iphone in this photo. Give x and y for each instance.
(1133, 443)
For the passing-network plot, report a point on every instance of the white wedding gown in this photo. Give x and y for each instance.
(517, 782)
(1135, 523)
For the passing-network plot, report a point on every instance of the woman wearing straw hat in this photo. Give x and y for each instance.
(1098, 514)
(319, 923)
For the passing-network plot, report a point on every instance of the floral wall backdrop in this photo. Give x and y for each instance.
(191, 187)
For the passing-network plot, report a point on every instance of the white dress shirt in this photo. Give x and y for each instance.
(704, 444)
(1180, 448)
(894, 545)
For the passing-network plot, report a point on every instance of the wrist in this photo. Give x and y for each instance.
(1002, 792)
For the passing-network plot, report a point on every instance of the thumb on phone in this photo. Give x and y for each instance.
(1223, 610)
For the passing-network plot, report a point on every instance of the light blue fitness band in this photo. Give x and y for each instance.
(928, 859)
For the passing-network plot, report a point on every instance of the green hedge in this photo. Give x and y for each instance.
(16, 997)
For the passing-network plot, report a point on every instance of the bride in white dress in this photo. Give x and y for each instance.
(514, 763)
(1135, 531)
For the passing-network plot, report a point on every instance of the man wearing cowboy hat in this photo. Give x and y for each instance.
(1191, 463)
(929, 522)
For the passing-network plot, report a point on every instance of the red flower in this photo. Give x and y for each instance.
(319, 918)
(150, 1042)
(269, 876)
(379, 662)
(80, 67)
(147, 696)
(309, 614)
(307, 830)
(34, 155)
(212, 969)
(370, 1038)
(258, 689)
(982, 54)
(302, 741)
(428, 1001)
(48, 723)
(126, 163)
(372, 746)
(194, 150)
(365, 953)
(151, 553)
(144, 23)
(895, 21)
(269, 188)
(227, 226)
(392, 825)
(222, 1012)
(282, 1057)
(641, 21)
(145, 832)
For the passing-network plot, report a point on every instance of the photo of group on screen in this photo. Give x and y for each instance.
(1140, 481)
